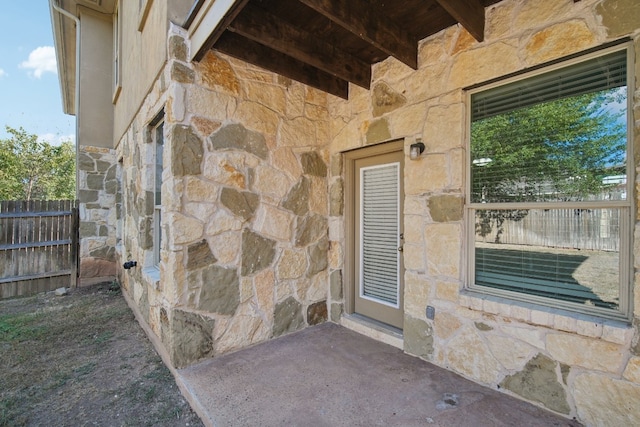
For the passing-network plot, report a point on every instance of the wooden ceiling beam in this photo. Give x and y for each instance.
(255, 53)
(367, 23)
(469, 13)
(267, 29)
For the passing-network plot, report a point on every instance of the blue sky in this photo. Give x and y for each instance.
(29, 90)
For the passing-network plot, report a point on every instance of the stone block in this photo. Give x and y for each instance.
(317, 313)
(446, 208)
(310, 229)
(273, 222)
(418, 337)
(335, 285)
(378, 131)
(292, 264)
(443, 249)
(186, 151)
(588, 353)
(199, 255)
(467, 354)
(620, 17)
(240, 203)
(287, 317)
(384, 99)
(318, 257)
(551, 42)
(313, 164)
(258, 252)
(181, 73)
(236, 137)
(297, 200)
(191, 337)
(604, 401)
(220, 291)
(214, 72)
(538, 382)
(336, 198)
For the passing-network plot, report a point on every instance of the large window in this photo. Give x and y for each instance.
(549, 188)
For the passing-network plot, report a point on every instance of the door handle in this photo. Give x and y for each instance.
(400, 249)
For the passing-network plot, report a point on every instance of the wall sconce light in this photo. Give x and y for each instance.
(416, 149)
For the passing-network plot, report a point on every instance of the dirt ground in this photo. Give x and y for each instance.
(81, 360)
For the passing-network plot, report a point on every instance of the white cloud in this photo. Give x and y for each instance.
(3, 73)
(56, 139)
(41, 60)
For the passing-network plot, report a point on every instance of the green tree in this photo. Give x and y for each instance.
(31, 169)
(552, 151)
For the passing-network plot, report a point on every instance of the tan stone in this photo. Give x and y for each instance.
(413, 256)
(417, 89)
(222, 221)
(377, 131)
(551, 42)
(286, 161)
(264, 283)
(448, 291)
(221, 170)
(246, 289)
(269, 95)
(244, 329)
(416, 295)
(464, 41)
(589, 353)
(499, 20)
(443, 247)
(478, 65)
(214, 72)
(346, 136)
(298, 132)
(467, 354)
(318, 289)
(204, 126)
(536, 14)
(257, 117)
(206, 103)
(632, 371)
(445, 325)
(413, 227)
(621, 17)
(273, 222)
(457, 162)
(427, 174)
(315, 96)
(292, 264)
(443, 128)
(385, 99)
(316, 113)
(511, 353)
(271, 181)
(198, 190)
(226, 247)
(335, 257)
(430, 50)
(604, 401)
(390, 69)
(184, 229)
(409, 120)
(318, 201)
(295, 101)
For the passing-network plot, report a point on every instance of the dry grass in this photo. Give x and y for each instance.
(82, 359)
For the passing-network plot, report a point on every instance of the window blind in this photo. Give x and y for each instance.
(379, 228)
(602, 73)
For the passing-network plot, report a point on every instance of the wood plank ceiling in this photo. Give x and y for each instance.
(329, 43)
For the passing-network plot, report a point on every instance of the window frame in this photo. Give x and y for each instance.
(625, 277)
(154, 128)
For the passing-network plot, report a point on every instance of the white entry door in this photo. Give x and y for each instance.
(378, 238)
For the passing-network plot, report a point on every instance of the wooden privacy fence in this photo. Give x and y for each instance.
(38, 246)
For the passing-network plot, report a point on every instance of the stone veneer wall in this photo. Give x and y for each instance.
(244, 252)
(99, 208)
(573, 365)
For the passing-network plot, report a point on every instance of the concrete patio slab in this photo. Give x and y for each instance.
(328, 375)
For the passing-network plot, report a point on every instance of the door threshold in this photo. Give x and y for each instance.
(373, 329)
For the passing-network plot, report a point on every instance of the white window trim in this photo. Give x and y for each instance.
(144, 6)
(626, 276)
(157, 209)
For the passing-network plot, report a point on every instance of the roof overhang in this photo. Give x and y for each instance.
(326, 43)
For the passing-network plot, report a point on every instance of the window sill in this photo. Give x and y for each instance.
(152, 276)
(614, 331)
